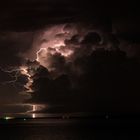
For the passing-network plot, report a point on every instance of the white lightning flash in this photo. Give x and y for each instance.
(24, 70)
(14, 73)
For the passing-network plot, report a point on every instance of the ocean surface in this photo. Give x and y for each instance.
(27, 122)
(69, 129)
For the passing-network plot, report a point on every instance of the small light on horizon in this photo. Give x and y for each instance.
(8, 118)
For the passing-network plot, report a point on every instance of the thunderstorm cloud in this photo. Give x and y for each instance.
(79, 55)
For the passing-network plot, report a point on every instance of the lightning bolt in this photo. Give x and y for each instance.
(24, 70)
(45, 54)
(15, 73)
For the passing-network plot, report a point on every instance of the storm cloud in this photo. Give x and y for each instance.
(101, 68)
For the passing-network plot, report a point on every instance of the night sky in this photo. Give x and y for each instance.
(94, 66)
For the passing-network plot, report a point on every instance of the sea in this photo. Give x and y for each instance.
(33, 125)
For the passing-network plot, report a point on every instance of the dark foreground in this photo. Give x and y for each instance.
(70, 129)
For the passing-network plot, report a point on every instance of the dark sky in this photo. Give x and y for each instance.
(33, 14)
(110, 79)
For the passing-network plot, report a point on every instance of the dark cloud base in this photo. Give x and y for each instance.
(109, 84)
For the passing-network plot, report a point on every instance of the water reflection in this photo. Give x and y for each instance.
(33, 115)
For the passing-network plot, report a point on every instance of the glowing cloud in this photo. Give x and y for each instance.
(51, 44)
(55, 48)
(25, 71)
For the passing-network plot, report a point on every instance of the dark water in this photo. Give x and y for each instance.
(24, 123)
(69, 129)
